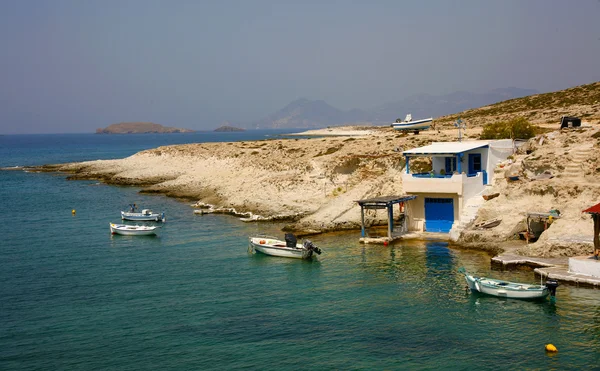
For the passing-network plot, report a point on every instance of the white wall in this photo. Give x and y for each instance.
(453, 184)
(499, 151)
(438, 163)
(473, 185)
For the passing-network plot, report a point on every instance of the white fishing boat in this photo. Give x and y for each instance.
(286, 249)
(409, 124)
(146, 215)
(132, 230)
(506, 289)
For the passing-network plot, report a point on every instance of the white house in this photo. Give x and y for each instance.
(460, 171)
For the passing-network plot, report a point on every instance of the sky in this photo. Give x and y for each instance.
(75, 66)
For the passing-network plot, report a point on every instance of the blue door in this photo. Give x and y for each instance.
(474, 163)
(439, 214)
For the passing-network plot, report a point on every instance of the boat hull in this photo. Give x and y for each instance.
(505, 289)
(132, 230)
(273, 247)
(140, 217)
(413, 125)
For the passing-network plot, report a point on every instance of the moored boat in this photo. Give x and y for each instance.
(486, 224)
(132, 230)
(505, 289)
(286, 249)
(146, 215)
(409, 124)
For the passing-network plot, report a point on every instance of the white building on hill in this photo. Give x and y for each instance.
(461, 171)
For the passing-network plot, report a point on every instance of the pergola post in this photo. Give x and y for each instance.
(362, 221)
(390, 212)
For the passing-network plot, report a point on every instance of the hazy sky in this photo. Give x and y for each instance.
(74, 66)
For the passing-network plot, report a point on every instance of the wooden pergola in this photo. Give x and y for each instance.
(595, 212)
(383, 202)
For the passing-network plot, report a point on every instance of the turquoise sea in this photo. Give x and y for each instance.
(73, 297)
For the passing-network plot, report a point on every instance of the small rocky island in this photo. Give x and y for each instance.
(227, 128)
(139, 128)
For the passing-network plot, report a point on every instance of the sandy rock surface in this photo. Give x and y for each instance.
(315, 183)
(569, 162)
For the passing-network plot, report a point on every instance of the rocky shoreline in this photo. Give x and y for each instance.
(314, 183)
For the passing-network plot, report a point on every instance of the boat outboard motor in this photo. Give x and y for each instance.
(308, 245)
(552, 285)
(290, 240)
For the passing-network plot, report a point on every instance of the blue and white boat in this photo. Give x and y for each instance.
(513, 290)
(409, 124)
(146, 215)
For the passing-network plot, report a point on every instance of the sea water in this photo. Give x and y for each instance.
(75, 297)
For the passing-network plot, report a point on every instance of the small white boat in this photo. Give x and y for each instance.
(132, 230)
(511, 290)
(409, 124)
(146, 215)
(286, 249)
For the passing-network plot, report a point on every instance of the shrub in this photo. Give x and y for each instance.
(517, 128)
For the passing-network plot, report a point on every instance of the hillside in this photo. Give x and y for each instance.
(308, 114)
(139, 128)
(542, 109)
(427, 105)
(315, 182)
(311, 114)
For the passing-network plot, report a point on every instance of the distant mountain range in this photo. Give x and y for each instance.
(304, 113)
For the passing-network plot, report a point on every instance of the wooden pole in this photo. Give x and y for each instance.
(527, 233)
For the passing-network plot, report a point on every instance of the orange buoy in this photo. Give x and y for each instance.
(262, 242)
(551, 348)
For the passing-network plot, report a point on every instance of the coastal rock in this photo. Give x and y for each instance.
(139, 128)
(227, 128)
(573, 158)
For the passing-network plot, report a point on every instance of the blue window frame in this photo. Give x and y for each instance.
(450, 165)
(474, 163)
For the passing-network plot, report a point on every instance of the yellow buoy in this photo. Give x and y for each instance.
(551, 348)
(73, 211)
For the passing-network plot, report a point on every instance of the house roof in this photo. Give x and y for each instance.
(593, 210)
(444, 148)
